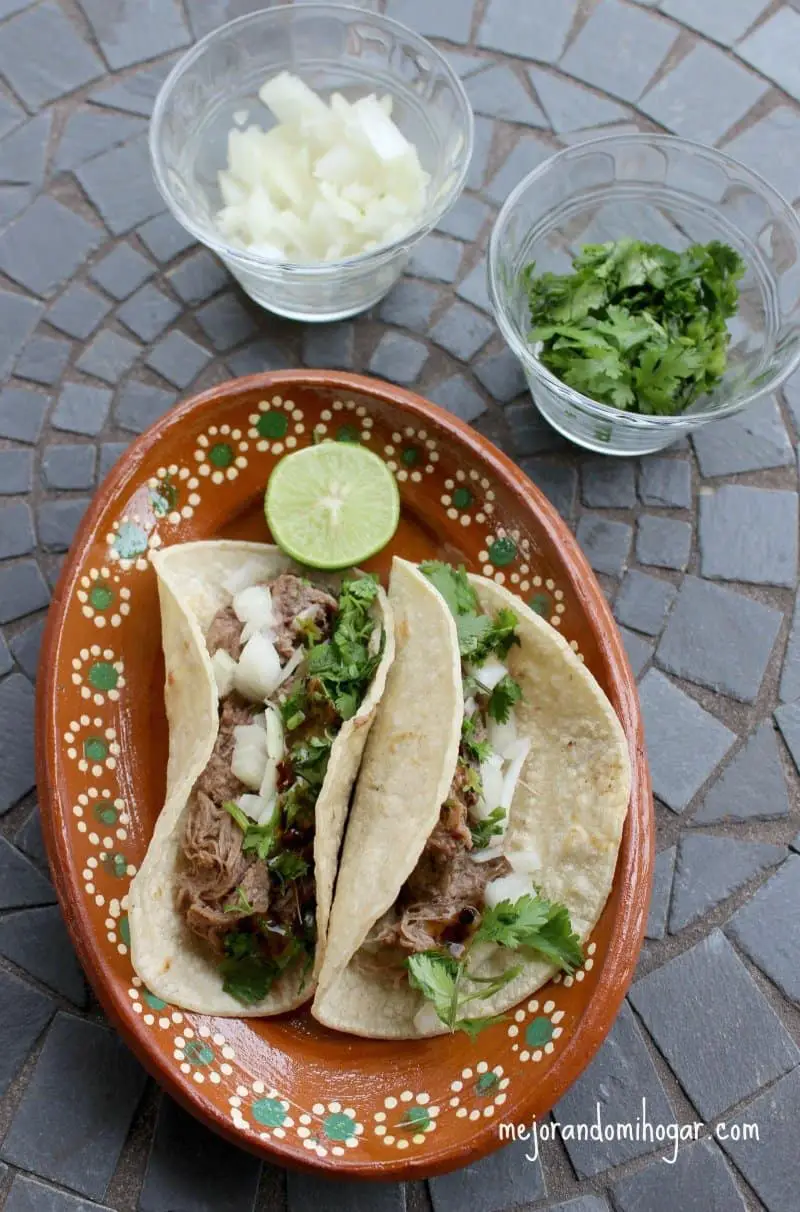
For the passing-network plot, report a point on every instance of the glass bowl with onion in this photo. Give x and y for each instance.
(671, 193)
(311, 146)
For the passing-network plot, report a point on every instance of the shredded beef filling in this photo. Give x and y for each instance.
(220, 888)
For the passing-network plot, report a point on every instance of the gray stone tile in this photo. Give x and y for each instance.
(619, 1077)
(449, 19)
(504, 1179)
(19, 316)
(13, 200)
(571, 107)
(109, 356)
(666, 482)
(557, 481)
(164, 237)
(69, 467)
(710, 869)
(462, 331)
(226, 322)
(16, 530)
(311, 1192)
(530, 433)
(122, 271)
(638, 650)
(28, 1195)
(528, 153)
(748, 534)
(329, 346)
(465, 219)
(110, 453)
(26, 646)
(192, 1168)
(725, 23)
(73, 1119)
(718, 638)
(16, 471)
(36, 940)
(752, 787)
(663, 542)
(16, 733)
(24, 1014)
(790, 676)
(45, 245)
(699, 1177)
(706, 94)
(27, 61)
(437, 258)
(458, 396)
(643, 602)
(135, 93)
(398, 358)
(57, 522)
(584, 1203)
(178, 358)
(474, 289)
(136, 33)
(619, 49)
(498, 92)
(10, 115)
(22, 413)
(263, 354)
(608, 483)
(139, 405)
(88, 132)
(23, 589)
(148, 313)
(773, 1171)
(23, 154)
(81, 409)
(535, 30)
(43, 360)
(120, 184)
(410, 305)
(21, 885)
(697, 1041)
(198, 277)
(662, 890)
(750, 441)
(29, 839)
(6, 660)
(501, 375)
(605, 543)
(766, 928)
(770, 50)
(765, 148)
(78, 311)
(684, 742)
(484, 137)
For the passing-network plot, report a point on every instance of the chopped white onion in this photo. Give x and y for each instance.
(426, 1019)
(331, 180)
(254, 606)
(269, 782)
(259, 719)
(224, 668)
(488, 853)
(251, 805)
(258, 672)
(503, 737)
(492, 780)
(470, 707)
(490, 673)
(294, 660)
(513, 772)
(275, 743)
(249, 755)
(507, 888)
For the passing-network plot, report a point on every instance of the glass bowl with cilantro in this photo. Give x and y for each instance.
(649, 286)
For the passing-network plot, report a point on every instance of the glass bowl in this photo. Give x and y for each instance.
(331, 47)
(662, 190)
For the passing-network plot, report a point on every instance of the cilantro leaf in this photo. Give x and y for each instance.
(435, 974)
(288, 866)
(474, 1026)
(240, 903)
(259, 838)
(491, 826)
(247, 975)
(343, 665)
(535, 923)
(473, 632)
(506, 693)
(475, 749)
(453, 585)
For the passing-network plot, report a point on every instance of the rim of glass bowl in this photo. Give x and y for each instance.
(252, 261)
(524, 352)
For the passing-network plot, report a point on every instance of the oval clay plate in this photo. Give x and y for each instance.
(287, 1087)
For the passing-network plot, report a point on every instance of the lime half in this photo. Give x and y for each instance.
(332, 505)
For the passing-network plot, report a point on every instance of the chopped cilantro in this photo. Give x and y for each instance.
(453, 585)
(240, 903)
(288, 866)
(310, 759)
(247, 975)
(636, 325)
(478, 634)
(344, 664)
(293, 709)
(259, 838)
(477, 750)
(506, 693)
(491, 826)
(535, 923)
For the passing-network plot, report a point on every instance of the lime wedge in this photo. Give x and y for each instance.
(332, 505)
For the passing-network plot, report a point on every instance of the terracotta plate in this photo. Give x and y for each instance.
(287, 1087)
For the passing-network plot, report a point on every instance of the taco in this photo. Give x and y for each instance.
(272, 682)
(487, 817)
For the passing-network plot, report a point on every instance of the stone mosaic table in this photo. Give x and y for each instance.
(109, 313)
